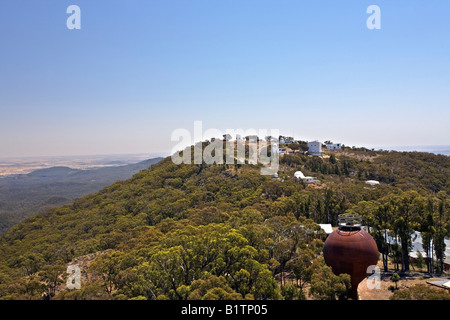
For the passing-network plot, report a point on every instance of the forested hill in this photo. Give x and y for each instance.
(24, 195)
(218, 231)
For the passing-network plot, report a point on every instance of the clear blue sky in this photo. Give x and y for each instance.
(137, 70)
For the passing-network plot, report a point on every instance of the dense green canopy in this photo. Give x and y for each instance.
(223, 231)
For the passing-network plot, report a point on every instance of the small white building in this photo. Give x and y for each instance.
(327, 228)
(286, 140)
(300, 175)
(333, 146)
(372, 182)
(315, 148)
(276, 177)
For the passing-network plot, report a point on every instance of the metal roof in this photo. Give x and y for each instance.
(327, 228)
(417, 245)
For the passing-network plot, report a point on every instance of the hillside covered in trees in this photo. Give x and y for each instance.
(225, 231)
(22, 195)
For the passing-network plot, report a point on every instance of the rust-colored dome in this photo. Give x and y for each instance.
(351, 251)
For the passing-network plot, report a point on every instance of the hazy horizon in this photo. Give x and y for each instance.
(149, 155)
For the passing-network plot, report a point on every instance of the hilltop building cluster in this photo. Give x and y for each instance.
(288, 145)
(315, 148)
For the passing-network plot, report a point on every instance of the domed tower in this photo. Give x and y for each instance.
(350, 250)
